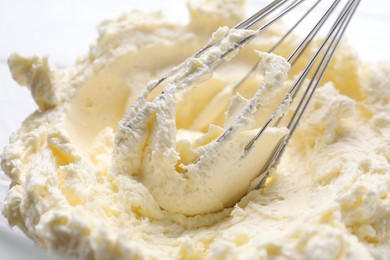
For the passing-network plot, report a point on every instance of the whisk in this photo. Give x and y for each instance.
(300, 94)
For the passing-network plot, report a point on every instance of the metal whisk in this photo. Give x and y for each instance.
(307, 81)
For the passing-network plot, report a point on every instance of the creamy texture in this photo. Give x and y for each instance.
(104, 169)
(196, 174)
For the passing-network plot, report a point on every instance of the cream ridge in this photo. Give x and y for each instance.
(108, 168)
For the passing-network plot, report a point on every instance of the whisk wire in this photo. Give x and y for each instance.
(277, 44)
(263, 13)
(335, 35)
(247, 39)
(308, 68)
(296, 54)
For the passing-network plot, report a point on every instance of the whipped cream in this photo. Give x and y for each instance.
(107, 168)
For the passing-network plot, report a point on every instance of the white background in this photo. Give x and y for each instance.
(63, 31)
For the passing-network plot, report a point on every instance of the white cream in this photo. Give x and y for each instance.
(201, 176)
(86, 185)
